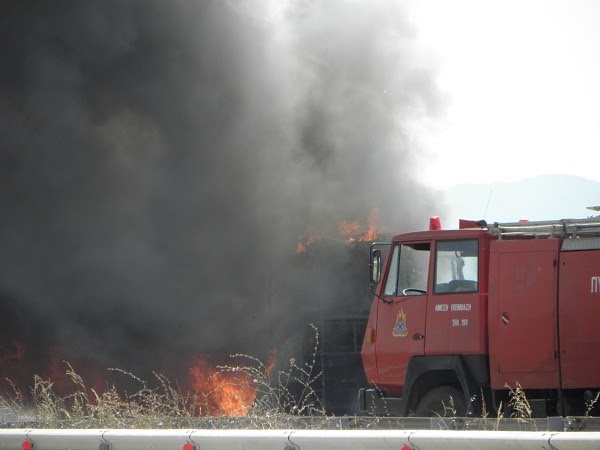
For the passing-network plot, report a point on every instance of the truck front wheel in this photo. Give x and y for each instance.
(443, 401)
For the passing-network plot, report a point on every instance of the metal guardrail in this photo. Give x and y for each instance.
(18, 439)
(350, 423)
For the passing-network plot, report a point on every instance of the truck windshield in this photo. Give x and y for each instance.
(408, 270)
(456, 266)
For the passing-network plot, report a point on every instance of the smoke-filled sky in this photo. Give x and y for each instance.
(520, 83)
(160, 160)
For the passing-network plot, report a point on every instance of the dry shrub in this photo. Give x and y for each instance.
(148, 407)
(281, 396)
(518, 403)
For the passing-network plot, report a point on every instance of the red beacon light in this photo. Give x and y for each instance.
(435, 223)
(189, 446)
(27, 445)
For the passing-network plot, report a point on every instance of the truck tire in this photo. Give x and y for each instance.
(443, 401)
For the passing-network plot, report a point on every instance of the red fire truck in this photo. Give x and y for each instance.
(463, 316)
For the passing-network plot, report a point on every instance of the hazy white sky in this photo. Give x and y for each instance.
(522, 85)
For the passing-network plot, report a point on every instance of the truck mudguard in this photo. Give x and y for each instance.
(424, 373)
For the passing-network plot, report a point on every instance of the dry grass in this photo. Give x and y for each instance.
(518, 403)
(288, 391)
(284, 398)
(149, 407)
(280, 397)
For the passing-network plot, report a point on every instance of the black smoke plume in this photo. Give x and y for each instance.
(160, 159)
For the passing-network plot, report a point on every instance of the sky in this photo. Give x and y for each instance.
(520, 87)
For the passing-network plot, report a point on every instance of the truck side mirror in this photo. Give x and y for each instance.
(375, 266)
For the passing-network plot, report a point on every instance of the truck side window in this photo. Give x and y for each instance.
(456, 266)
(409, 268)
(392, 278)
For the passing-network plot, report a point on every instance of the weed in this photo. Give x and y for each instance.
(499, 417)
(579, 424)
(518, 403)
(278, 396)
(282, 394)
(589, 405)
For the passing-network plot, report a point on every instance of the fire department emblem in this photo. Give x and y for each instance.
(400, 329)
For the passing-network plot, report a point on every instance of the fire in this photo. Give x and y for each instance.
(14, 351)
(373, 229)
(229, 393)
(350, 228)
(306, 239)
(271, 364)
(223, 392)
(18, 368)
(63, 371)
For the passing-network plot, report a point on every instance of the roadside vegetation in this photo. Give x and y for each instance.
(280, 399)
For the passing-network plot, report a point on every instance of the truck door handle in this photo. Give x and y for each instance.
(505, 318)
(418, 336)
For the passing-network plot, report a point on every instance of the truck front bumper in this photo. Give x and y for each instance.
(371, 401)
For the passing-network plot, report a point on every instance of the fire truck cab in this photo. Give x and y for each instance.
(462, 316)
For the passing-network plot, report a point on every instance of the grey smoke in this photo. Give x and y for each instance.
(160, 159)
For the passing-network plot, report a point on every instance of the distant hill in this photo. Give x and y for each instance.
(544, 197)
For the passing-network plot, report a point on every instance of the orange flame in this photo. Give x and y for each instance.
(351, 228)
(373, 221)
(306, 239)
(348, 228)
(229, 393)
(271, 363)
(59, 365)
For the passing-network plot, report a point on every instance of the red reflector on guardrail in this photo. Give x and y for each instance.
(189, 446)
(27, 445)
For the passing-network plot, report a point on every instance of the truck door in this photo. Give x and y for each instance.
(401, 317)
(522, 314)
(579, 311)
(457, 314)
